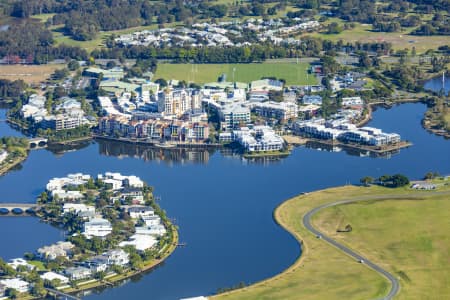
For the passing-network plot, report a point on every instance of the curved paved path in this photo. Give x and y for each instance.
(395, 285)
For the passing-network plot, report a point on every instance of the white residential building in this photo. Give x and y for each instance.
(16, 262)
(52, 276)
(77, 208)
(78, 273)
(60, 249)
(97, 227)
(17, 284)
(3, 155)
(351, 101)
(260, 138)
(140, 242)
(278, 110)
(136, 212)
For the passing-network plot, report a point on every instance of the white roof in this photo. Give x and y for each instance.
(52, 275)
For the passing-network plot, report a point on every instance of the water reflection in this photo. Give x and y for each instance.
(349, 150)
(149, 153)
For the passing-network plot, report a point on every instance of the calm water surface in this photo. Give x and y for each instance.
(436, 84)
(223, 205)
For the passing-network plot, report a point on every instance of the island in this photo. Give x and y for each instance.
(115, 230)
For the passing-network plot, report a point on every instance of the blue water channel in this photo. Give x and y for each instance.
(222, 204)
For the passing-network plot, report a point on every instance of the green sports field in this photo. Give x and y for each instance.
(293, 73)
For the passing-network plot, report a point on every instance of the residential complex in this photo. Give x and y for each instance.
(346, 132)
(67, 115)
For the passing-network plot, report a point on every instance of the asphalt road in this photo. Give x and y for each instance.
(395, 285)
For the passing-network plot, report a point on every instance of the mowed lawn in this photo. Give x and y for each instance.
(293, 73)
(28, 73)
(407, 237)
(400, 40)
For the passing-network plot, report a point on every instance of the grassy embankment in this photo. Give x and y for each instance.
(294, 74)
(17, 149)
(407, 237)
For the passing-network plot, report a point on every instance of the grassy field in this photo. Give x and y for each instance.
(409, 238)
(401, 235)
(294, 74)
(28, 73)
(399, 40)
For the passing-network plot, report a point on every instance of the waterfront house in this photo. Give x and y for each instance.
(98, 227)
(140, 211)
(60, 249)
(77, 208)
(117, 257)
(16, 262)
(49, 276)
(134, 195)
(140, 242)
(97, 264)
(78, 273)
(17, 284)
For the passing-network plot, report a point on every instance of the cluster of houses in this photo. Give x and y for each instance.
(344, 131)
(128, 191)
(66, 115)
(222, 34)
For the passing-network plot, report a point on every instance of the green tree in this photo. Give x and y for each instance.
(367, 180)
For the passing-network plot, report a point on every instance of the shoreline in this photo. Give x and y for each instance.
(308, 239)
(107, 282)
(11, 165)
(158, 144)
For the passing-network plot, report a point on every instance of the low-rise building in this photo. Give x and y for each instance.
(281, 111)
(50, 276)
(20, 262)
(140, 242)
(136, 212)
(17, 284)
(60, 249)
(266, 85)
(97, 227)
(260, 138)
(78, 273)
(312, 99)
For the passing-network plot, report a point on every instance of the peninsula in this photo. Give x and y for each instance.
(115, 230)
(347, 232)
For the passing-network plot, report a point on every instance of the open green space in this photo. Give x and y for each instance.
(408, 237)
(400, 40)
(293, 73)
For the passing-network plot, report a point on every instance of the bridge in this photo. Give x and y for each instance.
(18, 209)
(36, 143)
(62, 295)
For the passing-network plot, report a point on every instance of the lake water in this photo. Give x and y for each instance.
(435, 84)
(222, 204)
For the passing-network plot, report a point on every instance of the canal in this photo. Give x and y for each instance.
(222, 204)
